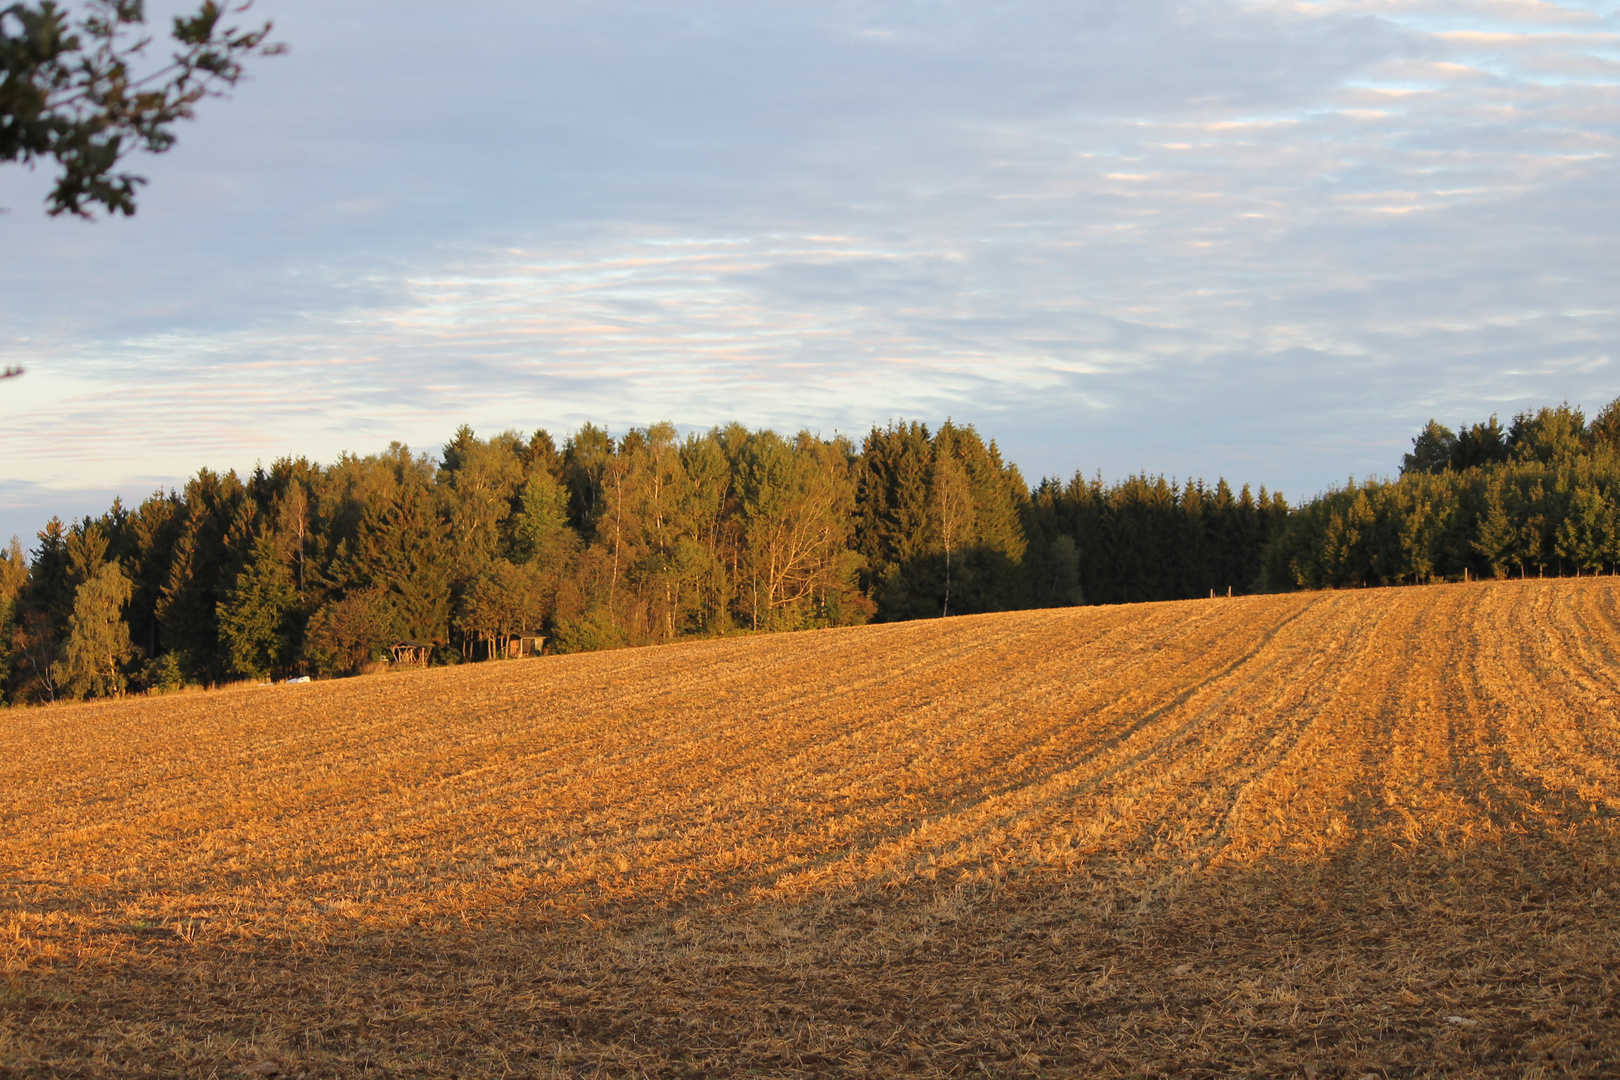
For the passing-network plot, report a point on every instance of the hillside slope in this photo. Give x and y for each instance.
(1337, 832)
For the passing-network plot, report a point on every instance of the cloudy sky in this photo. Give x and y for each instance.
(1250, 238)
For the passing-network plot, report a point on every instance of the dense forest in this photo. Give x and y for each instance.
(604, 542)
(1540, 497)
(650, 537)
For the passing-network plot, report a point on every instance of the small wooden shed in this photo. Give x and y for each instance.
(506, 647)
(518, 645)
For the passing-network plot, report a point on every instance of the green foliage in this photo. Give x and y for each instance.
(37, 617)
(1554, 436)
(401, 544)
(1146, 538)
(346, 634)
(97, 645)
(794, 512)
(590, 632)
(1432, 450)
(587, 455)
(505, 598)
(1055, 578)
(1480, 444)
(1522, 518)
(209, 549)
(1586, 538)
(892, 520)
(1604, 431)
(644, 538)
(13, 578)
(67, 557)
(1543, 496)
(73, 91)
(479, 483)
(145, 544)
(51, 581)
(164, 674)
(1550, 436)
(258, 616)
(539, 526)
(939, 520)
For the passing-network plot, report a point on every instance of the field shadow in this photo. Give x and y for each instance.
(1462, 959)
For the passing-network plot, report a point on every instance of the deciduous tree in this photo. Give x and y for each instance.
(348, 633)
(78, 90)
(97, 645)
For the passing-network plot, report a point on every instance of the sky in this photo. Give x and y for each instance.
(1257, 239)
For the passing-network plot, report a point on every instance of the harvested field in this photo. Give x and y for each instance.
(1319, 835)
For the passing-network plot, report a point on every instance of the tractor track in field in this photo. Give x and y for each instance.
(1327, 834)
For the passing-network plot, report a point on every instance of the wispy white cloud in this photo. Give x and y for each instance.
(1266, 239)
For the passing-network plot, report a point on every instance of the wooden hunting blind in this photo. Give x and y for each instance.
(411, 652)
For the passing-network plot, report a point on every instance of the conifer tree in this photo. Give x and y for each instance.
(50, 580)
(1551, 436)
(540, 456)
(1585, 537)
(1493, 540)
(1604, 430)
(1432, 450)
(539, 527)
(258, 614)
(1480, 444)
(41, 613)
(13, 578)
(206, 556)
(892, 521)
(400, 546)
(992, 575)
(649, 537)
(152, 532)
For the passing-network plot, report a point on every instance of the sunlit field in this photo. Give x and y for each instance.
(1320, 835)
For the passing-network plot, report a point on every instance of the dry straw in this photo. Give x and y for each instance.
(1326, 835)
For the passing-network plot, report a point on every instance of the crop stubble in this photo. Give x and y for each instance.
(1318, 834)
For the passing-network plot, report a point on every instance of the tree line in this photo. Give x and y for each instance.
(651, 537)
(604, 542)
(1539, 497)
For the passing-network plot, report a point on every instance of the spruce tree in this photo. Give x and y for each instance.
(1585, 537)
(892, 522)
(13, 579)
(257, 616)
(153, 531)
(206, 555)
(403, 548)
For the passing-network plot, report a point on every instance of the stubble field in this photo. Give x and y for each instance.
(1318, 835)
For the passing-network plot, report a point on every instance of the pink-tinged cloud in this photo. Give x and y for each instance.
(1265, 239)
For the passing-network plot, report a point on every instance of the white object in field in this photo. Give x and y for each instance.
(299, 679)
